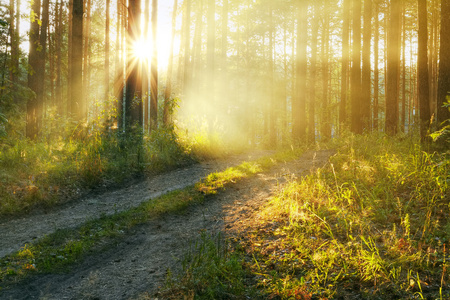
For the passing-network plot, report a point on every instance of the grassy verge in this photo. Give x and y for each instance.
(58, 251)
(373, 224)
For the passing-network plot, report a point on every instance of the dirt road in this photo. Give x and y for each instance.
(137, 265)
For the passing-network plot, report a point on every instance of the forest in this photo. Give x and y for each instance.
(330, 117)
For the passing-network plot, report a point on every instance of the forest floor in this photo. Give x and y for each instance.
(136, 266)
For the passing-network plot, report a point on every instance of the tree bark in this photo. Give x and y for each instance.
(133, 98)
(376, 70)
(168, 90)
(86, 59)
(356, 124)
(366, 69)
(299, 101)
(76, 77)
(154, 74)
(325, 122)
(313, 73)
(443, 113)
(393, 68)
(422, 70)
(343, 123)
(107, 46)
(33, 113)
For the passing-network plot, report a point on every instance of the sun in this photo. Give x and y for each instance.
(142, 49)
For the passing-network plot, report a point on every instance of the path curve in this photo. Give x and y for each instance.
(14, 234)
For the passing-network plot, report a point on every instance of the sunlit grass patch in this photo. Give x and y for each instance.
(370, 226)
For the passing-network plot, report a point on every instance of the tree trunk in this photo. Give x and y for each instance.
(272, 110)
(376, 69)
(345, 65)
(76, 77)
(366, 69)
(86, 59)
(325, 122)
(187, 44)
(58, 46)
(168, 90)
(33, 113)
(14, 35)
(422, 70)
(313, 73)
(69, 103)
(146, 72)
(393, 68)
(403, 73)
(211, 48)
(299, 102)
(356, 125)
(133, 98)
(443, 113)
(107, 52)
(154, 74)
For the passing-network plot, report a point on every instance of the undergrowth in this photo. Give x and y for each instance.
(372, 224)
(58, 168)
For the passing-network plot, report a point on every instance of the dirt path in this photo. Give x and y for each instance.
(16, 233)
(138, 264)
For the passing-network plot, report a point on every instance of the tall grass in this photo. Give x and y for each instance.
(61, 166)
(373, 224)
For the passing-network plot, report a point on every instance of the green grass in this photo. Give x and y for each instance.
(50, 171)
(373, 224)
(59, 251)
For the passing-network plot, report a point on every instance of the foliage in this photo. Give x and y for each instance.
(442, 136)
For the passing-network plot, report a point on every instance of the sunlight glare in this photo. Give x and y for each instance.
(142, 49)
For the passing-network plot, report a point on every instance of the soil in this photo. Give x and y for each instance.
(137, 265)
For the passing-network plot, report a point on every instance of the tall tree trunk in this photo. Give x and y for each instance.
(51, 58)
(70, 106)
(187, 44)
(325, 122)
(154, 74)
(313, 73)
(14, 36)
(133, 98)
(211, 47)
(146, 71)
(366, 69)
(443, 113)
(196, 63)
(299, 102)
(272, 110)
(40, 72)
(356, 124)
(403, 73)
(33, 113)
(422, 70)
(107, 21)
(224, 35)
(119, 64)
(58, 46)
(345, 65)
(76, 78)
(86, 59)
(168, 90)
(393, 68)
(376, 68)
